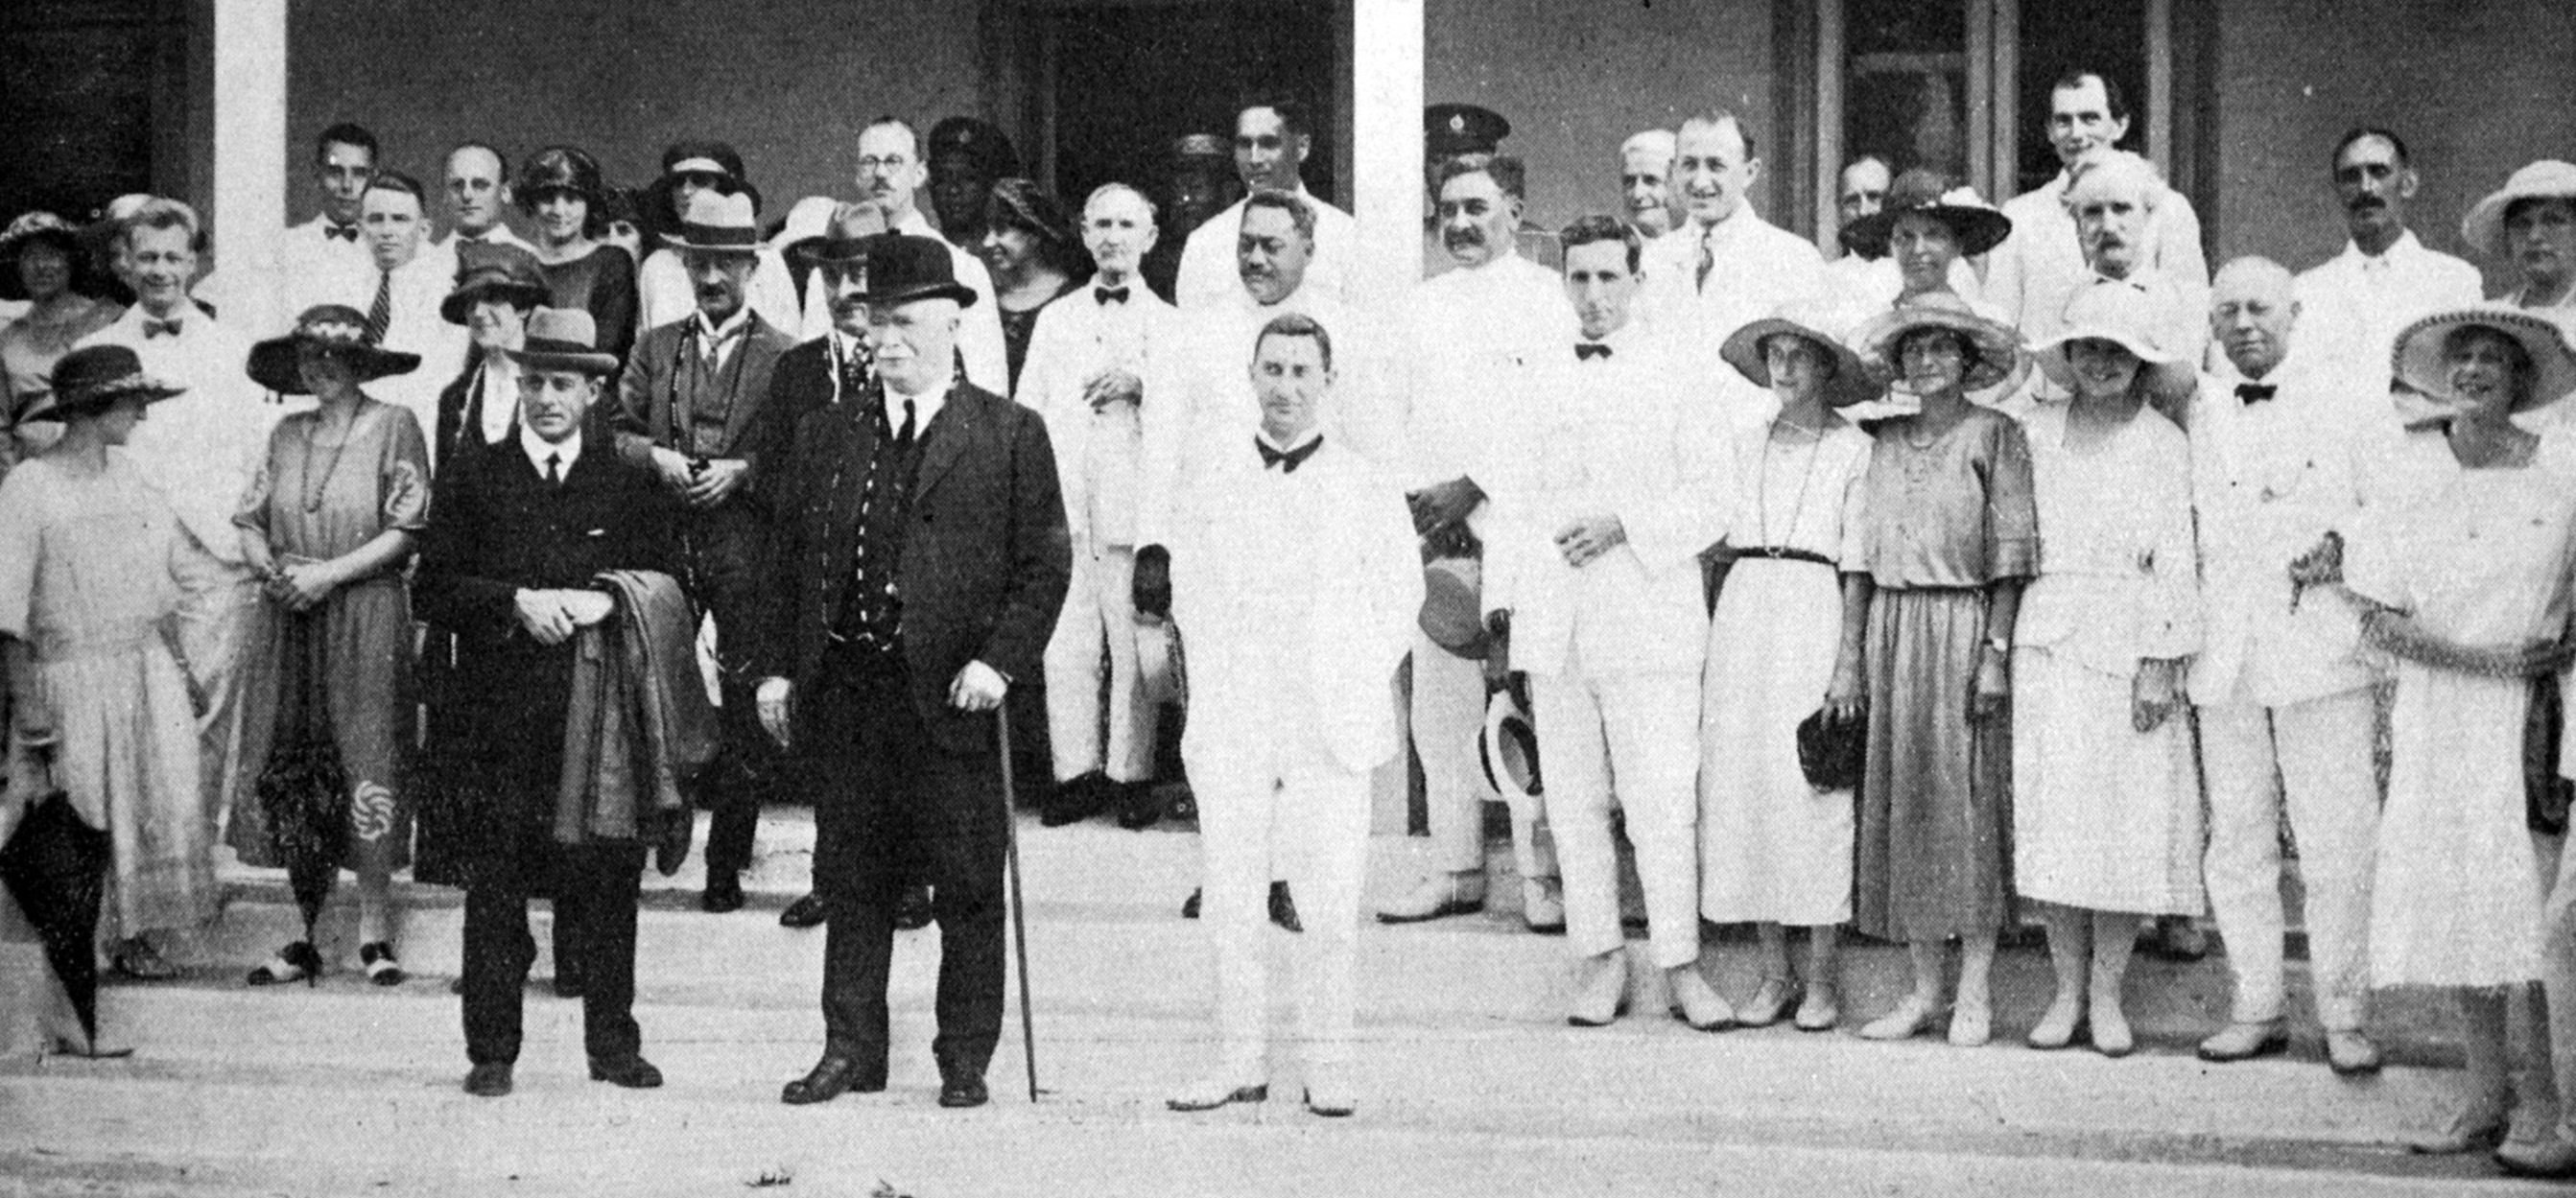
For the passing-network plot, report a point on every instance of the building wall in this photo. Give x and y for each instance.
(1576, 79)
(2475, 89)
(789, 82)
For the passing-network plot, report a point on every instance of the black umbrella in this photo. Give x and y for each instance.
(55, 866)
(302, 788)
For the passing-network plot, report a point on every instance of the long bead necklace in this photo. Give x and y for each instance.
(314, 491)
(1762, 487)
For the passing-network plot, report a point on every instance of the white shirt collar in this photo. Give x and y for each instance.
(539, 449)
(500, 398)
(732, 326)
(924, 407)
(2404, 247)
(1262, 435)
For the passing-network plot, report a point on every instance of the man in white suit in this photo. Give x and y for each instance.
(2279, 689)
(1593, 574)
(1088, 357)
(1271, 142)
(1297, 580)
(1722, 264)
(1480, 332)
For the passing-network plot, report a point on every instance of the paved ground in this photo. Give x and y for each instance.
(1471, 1083)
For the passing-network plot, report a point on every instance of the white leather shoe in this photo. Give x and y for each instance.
(1695, 1002)
(1600, 989)
(1440, 894)
(1543, 906)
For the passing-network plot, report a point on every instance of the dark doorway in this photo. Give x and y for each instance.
(1123, 80)
(91, 90)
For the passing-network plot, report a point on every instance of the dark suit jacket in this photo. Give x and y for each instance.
(798, 385)
(985, 559)
(643, 417)
(498, 527)
(454, 439)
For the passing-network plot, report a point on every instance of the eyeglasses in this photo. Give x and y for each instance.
(890, 162)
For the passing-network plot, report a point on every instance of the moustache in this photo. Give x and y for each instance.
(1462, 238)
(2367, 204)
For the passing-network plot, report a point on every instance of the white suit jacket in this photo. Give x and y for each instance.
(1296, 594)
(1615, 435)
(1479, 338)
(1758, 266)
(1098, 454)
(2269, 480)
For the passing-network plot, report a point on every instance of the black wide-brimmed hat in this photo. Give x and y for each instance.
(563, 339)
(902, 268)
(1979, 226)
(40, 228)
(336, 328)
(494, 269)
(90, 380)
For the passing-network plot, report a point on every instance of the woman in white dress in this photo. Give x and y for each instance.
(1774, 850)
(2106, 801)
(2465, 581)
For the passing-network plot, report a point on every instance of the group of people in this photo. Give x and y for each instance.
(2009, 563)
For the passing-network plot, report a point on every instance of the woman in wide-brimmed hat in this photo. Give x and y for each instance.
(2463, 573)
(560, 187)
(1948, 535)
(1774, 850)
(333, 517)
(101, 706)
(1925, 229)
(2106, 798)
(2530, 223)
(42, 261)
(497, 286)
(1035, 253)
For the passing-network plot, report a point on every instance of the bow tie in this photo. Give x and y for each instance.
(159, 328)
(1110, 295)
(1288, 461)
(2254, 393)
(1585, 351)
(348, 233)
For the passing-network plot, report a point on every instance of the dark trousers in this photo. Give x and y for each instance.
(891, 807)
(724, 566)
(595, 890)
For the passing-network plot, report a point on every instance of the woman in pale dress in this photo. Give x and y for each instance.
(1948, 535)
(2465, 582)
(2106, 798)
(1774, 850)
(330, 520)
(43, 262)
(100, 705)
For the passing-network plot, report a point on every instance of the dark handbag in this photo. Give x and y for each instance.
(1831, 752)
(2545, 795)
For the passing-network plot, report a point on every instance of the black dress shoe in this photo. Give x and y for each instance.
(962, 1090)
(805, 912)
(723, 894)
(912, 911)
(832, 1077)
(634, 1073)
(567, 985)
(488, 1081)
(1077, 799)
(1283, 907)
(1137, 808)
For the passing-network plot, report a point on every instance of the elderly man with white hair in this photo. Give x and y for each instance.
(2114, 200)
(1645, 181)
(2034, 272)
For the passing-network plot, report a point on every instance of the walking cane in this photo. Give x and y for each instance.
(1019, 924)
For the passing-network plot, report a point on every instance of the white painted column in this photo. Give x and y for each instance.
(1386, 197)
(249, 217)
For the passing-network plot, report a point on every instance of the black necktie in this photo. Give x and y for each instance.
(554, 469)
(1110, 295)
(2253, 393)
(1585, 351)
(903, 436)
(348, 233)
(1288, 461)
(159, 328)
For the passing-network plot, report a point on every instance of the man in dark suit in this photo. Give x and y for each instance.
(922, 559)
(691, 395)
(515, 539)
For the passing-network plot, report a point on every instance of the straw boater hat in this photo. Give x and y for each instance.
(2122, 315)
(337, 328)
(1820, 321)
(1998, 348)
(91, 380)
(40, 228)
(2417, 354)
(1508, 748)
(494, 269)
(2547, 179)
(717, 223)
(1979, 226)
(902, 267)
(563, 339)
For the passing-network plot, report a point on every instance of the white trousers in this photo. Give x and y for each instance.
(1448, 712)
(1632, 742)
(1097, 630)
(1288, 812)
(2322, 749)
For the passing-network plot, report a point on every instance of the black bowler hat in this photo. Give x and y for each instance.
(902, 268)
(1462, 129)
